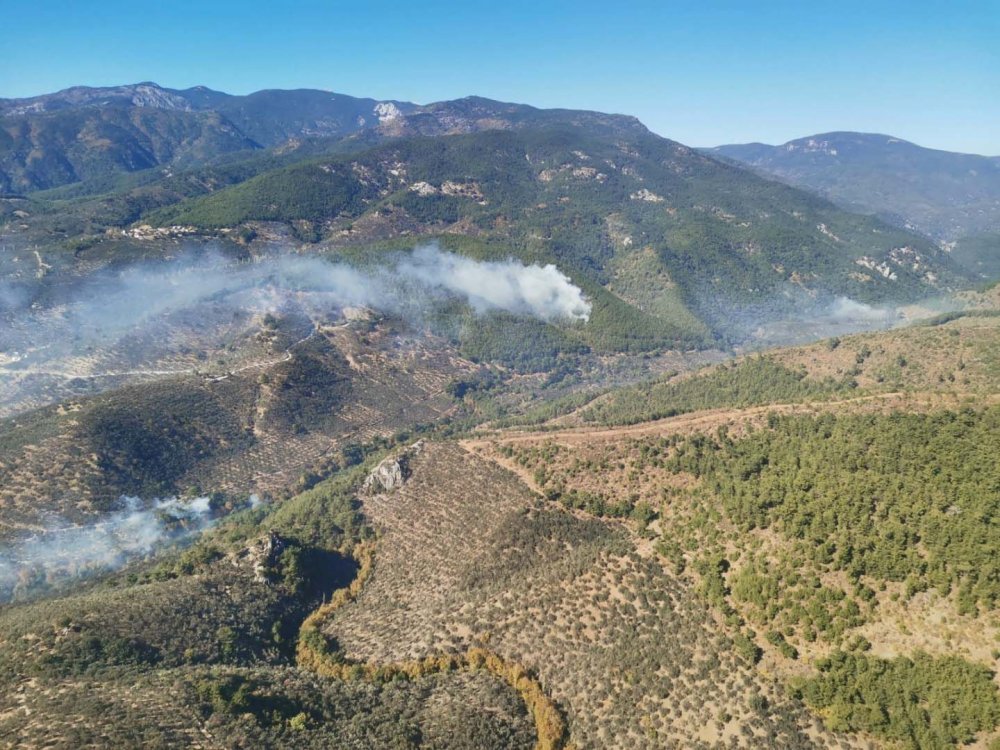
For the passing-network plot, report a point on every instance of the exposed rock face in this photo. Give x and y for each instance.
(646, 195)
(362, 314)
(262, 556)
(392, 472)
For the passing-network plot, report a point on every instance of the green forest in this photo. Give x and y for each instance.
(904, 497)
(923, 703)
(749, 382)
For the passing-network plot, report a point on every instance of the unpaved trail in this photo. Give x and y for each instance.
(708, 419)
(286, 357)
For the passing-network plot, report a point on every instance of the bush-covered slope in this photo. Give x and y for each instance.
(846, 542)
(955, 353)
(980, 254)
(39, 151)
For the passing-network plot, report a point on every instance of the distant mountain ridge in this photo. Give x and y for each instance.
(942, 194)
(85, 133)
(674, 247)
(136, 95)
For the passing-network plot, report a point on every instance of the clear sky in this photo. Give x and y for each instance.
(700, 72)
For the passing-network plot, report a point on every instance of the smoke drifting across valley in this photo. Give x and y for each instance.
(150, 318)
(65, 552)
(101, 309)
(404, 280)
(819, 320)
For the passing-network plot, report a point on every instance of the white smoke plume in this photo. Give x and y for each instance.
(65, 552)
(145, 292)
(847, 310)
(543, 292)
(102, 309)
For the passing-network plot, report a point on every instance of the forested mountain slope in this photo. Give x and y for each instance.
(676, 248)
(809, 572)
(641, 215)
(942, 194)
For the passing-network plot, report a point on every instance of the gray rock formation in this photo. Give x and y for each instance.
(262, 556)
(392, 472)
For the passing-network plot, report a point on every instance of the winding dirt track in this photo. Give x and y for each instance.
(701, 421)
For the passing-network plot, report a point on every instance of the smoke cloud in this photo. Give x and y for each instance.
(149, 291)
(101, 309)
(817, 319)
(542, 292)
(65, 552)
(847, 310)
(146, 320)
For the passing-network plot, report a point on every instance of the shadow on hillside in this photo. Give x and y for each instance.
(326, 571)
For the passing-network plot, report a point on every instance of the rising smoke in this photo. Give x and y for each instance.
(103, 308)
(542, 292)
(65, 552)
(847, 310)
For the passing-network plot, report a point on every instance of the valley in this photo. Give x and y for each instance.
(477, 425)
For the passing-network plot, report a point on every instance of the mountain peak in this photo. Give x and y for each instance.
(144, 94)
(942, 194)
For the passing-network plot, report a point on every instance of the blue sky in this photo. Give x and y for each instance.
(700, 72)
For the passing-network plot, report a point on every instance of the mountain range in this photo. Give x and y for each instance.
(336, 422)
(945, 195)
(676, 247)
(83, 133)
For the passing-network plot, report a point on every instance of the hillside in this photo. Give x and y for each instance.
(68, 145)
(88, 134)
(91, 134)
(728, 246)
(942, 194)
(797, 515)
(335, 422)
(198, 650)
(256, 420)
(717, 579)
(676, 249)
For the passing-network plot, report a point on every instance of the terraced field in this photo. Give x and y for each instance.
(625, 649)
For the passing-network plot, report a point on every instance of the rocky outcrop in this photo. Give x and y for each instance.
(392, 472)
(262, 556)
